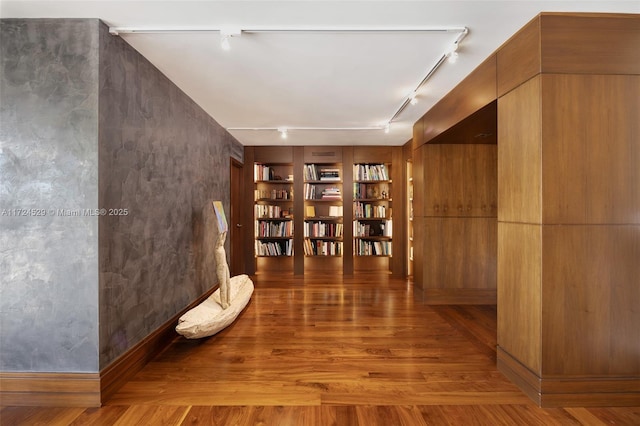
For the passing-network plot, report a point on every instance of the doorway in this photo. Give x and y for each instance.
(235, 223)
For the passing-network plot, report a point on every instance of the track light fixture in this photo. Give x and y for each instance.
(413, 98)
(226, 33)
(452, 54)
(225, 37)
(224, 42)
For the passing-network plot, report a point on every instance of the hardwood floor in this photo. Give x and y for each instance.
(329, 350)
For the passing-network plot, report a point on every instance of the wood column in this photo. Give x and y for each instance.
(569, 210)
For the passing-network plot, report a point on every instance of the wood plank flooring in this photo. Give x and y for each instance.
(361, 350)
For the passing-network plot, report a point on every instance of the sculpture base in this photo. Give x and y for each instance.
(208, 318)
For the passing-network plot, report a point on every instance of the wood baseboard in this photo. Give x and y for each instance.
(87, 389)
(459, 296)
(570, 391)
(49, 389)
(120, 371)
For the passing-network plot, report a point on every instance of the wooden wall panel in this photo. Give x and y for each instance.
(481, 127)
(481, 188)
(418, 132)
(518, 59)
(274, 264)
(591, 146)
(322, 154)
(419, 259)
(520, 293)
(418, 181)
(474, 92)
(460, 180)
(459, 253)
(570, 44)
(591, 295)
(590, 43)
(372, 154)
(273, 154)
(50, 389)
(519, 154)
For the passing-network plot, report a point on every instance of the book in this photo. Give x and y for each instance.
(310, 211)
(335, 211)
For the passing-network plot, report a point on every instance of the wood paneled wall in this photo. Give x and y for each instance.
(455, 220)
(568, 203)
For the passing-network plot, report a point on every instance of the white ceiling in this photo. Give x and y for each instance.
(312, 79)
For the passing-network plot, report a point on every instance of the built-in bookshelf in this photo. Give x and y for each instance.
(372, 210)
(323, 210)
(273, 209)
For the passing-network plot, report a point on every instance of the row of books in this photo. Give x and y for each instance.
(274, 248)
(370, 172)
(274, 229)
(378, 191)
(323, 229)
(313, 172)
(273, 194)
(331, 193)
(261, 172)
(322, 248)
(373, 229)
(267, 211)
(334, 211)
(311, 192)
(365, 210)
(372, 248)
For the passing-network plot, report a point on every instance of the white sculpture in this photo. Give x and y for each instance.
(208, 318)
(225, 304)
(222, 270)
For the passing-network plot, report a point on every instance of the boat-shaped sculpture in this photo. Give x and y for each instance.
(208, 318)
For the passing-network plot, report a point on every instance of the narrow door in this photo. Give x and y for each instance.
(235, 223)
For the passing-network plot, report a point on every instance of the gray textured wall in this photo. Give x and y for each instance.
(164, 159)
(48, 161)
(77, 291)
